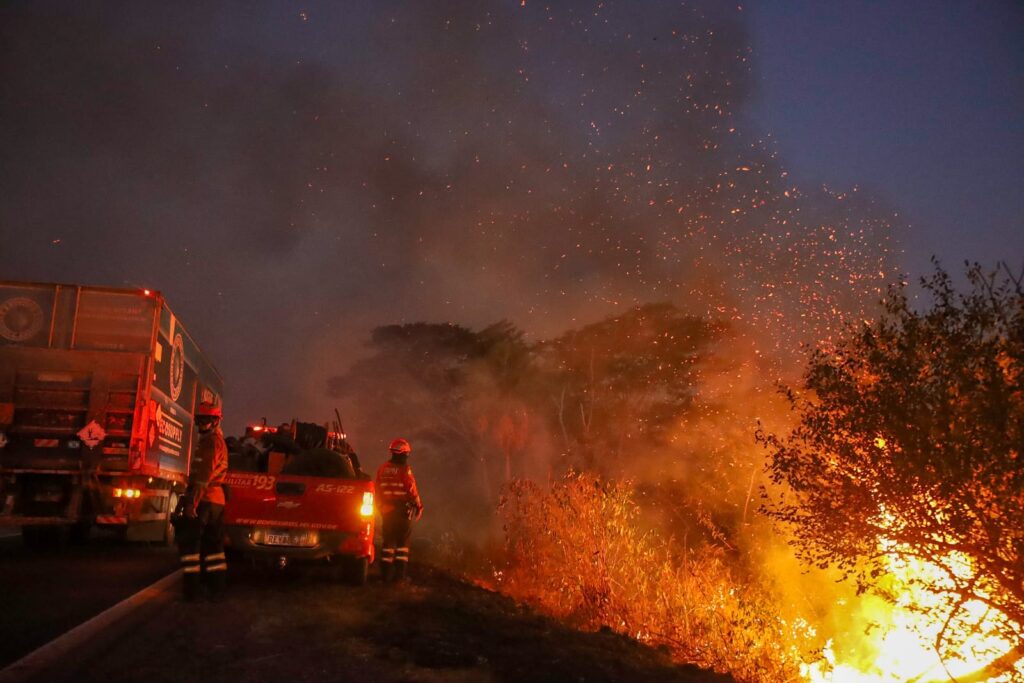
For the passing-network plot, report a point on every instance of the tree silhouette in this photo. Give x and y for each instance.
(625, 380)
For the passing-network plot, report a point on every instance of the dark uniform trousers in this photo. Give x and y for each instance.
(201, 547)
(394, 552)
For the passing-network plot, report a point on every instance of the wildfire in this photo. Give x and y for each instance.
(898, 640)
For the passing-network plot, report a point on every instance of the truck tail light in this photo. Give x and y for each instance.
(127, 493)
(367, 508)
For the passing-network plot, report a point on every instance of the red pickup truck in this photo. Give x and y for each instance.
(280, 518)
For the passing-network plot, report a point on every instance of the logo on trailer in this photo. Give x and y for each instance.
(177, 367)
(169, 433)
(21, 319)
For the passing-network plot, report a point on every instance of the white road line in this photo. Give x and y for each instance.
(43, 658)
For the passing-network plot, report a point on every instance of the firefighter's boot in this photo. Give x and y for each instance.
(216, 574)
(387, 563)
(191, 583)
(401, 562)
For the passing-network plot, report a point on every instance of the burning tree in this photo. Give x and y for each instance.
(906, 471)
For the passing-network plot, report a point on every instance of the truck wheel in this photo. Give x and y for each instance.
(356, 570)
(172, 504)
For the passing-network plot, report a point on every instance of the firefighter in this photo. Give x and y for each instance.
(400, 504)
(201, 536)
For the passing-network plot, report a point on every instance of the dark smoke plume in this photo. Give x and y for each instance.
(290, 178)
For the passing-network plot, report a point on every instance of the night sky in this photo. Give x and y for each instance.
(291, 175)
(919, 102)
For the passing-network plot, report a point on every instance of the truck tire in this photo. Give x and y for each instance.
(172, 504)
(355, 570)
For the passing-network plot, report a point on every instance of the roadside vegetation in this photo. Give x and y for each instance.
(622, 459)
(580, 551)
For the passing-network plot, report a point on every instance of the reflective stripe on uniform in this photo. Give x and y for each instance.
(215, 556)
(219, 567)
(401, 554)
(192, 569)
(190, 558)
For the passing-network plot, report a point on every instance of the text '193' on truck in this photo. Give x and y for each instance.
(296, 495)
(98, 388)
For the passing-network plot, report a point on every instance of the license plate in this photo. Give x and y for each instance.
(278, 539)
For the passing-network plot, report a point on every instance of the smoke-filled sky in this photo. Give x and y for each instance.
(291, 174)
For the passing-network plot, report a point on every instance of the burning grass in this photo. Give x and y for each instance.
(580, 552)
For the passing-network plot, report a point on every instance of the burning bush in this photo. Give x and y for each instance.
(906, 472)
(580, 552)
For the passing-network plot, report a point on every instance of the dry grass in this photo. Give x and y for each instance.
(579, 552)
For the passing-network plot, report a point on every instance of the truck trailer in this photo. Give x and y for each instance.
(98, 388)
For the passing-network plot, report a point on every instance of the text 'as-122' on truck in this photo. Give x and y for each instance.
(98, 388)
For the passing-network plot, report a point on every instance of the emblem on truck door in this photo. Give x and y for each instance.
(21, 319)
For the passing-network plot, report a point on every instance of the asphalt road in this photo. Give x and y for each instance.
(299, 625)
(306, 627)
(44, 594)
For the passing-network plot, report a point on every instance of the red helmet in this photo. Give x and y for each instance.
(400, 446)
(207, 409)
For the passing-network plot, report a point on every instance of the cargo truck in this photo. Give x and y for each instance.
(98, 387)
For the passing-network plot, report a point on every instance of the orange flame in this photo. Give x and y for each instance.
(898, 639)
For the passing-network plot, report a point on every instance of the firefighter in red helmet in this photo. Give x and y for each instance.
(201, 532)
(400, 504)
